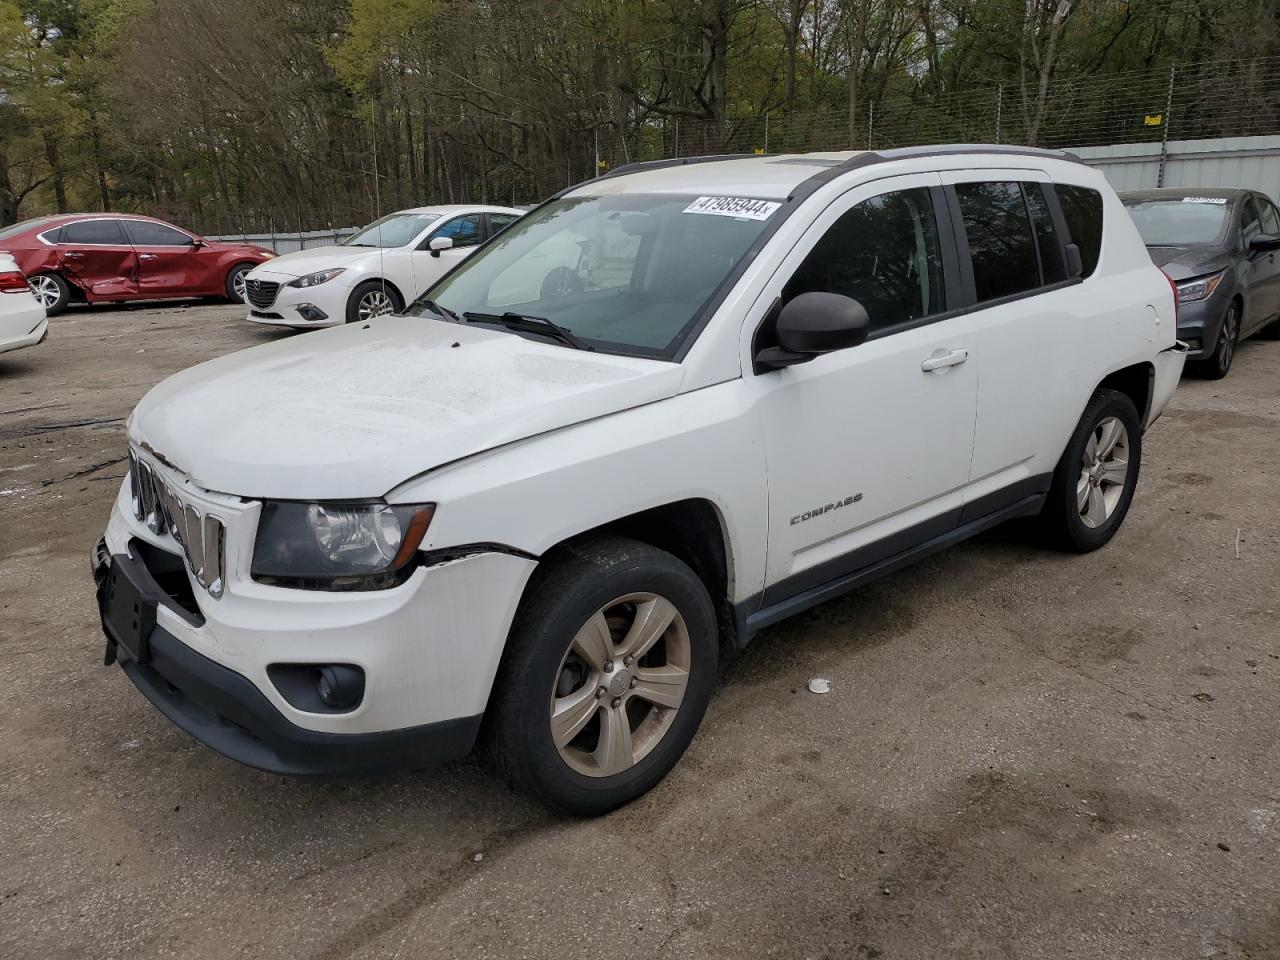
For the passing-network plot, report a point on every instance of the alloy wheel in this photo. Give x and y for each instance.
(375, 303)
(238, 285)
(46, 290)
(1229, 335)
(1104, 470)
(620, 685)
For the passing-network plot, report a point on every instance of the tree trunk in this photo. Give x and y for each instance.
(55, 171)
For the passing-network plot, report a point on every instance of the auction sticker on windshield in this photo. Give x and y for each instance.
(741, 207)
(1204, 199)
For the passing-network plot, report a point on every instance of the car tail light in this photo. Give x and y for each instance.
(1173, 286)
(12, 281)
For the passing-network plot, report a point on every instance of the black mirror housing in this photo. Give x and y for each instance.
(813, 324)
(1264, 242)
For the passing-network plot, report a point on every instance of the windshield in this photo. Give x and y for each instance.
(625, 273)
(1179, 223)
(394, 230)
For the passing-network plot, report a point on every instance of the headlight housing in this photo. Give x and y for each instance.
(315, 279)
(338, 546)
(1190, 291)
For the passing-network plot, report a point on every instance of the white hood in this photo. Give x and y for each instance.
(303, 262)
(354, 411)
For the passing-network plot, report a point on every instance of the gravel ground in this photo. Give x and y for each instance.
(1024, 754)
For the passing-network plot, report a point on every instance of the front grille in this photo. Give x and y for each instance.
(203, 537)
(261, 293)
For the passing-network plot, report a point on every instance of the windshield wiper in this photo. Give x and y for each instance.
(349, 244)
(442, 311)
(533, 324)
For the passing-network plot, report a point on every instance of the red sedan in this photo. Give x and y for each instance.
(101, 258)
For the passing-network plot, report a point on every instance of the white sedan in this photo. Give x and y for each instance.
(22, 318)
(378, 270)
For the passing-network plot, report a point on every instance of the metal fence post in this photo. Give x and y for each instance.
(871, 120)
(1164, 129)
(999, 108)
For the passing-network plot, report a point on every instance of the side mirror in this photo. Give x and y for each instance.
(1263, 242)
(197, 243)
(812, 324)
(436, 244)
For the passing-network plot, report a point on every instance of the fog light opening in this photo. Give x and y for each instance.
(340, 687)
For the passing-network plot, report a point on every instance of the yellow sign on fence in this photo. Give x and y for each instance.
(1153, 120)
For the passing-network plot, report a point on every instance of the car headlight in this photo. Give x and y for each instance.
(315, 279)
(1202, 289)
(338, 546)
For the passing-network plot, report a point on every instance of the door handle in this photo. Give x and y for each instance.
(146, 256)
(72, 255)
(938, 362)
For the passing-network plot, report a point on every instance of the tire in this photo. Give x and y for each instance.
(618, 583)
(1218, 364)
(235, 282)
(560, 283)
(51, 290)
(371, 299)
(1066, 522)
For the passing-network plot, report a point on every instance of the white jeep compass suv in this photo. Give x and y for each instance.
(667, 408)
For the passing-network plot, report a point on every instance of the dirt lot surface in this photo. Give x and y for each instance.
(1024, 755)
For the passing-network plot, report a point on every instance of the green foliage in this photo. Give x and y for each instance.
(250, 114)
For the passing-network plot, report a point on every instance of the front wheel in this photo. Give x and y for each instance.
(1218, 364)
(608, 671)
(373, 298)
(1094, 481)
(51, 290)
(235, 282)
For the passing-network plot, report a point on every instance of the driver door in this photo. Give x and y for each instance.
(868, 448)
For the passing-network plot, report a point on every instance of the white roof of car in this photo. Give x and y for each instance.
(776, 177)
(445, 209)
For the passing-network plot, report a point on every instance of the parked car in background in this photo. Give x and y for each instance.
(1220, 248)
(775, 379)
(22, 318)
(104, 258)
(376, 271)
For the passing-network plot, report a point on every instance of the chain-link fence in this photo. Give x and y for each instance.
(1222, 98)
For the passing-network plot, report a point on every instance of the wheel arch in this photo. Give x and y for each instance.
(1137, 382)
(692, 530)
(381, 281)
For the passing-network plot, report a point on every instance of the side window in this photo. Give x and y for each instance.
(94, 232)
(1250, 226)
(464, 230)
(1001, 244)
(1052, 267)
(1082, 209)
(500, 221)
(143, 233)
(884, 253)
(1270, 218)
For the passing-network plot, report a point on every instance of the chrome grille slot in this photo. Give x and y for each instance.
(202, 537)
(261, 293)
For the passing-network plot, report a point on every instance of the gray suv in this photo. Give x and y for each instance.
(1220, 247)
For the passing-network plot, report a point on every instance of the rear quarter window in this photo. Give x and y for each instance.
(1082, 209)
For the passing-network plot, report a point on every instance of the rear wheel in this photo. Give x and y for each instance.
(235, 282)
(51, 290)
(1094, 481)
(608, 672)
(373, 298)
(1218, 364)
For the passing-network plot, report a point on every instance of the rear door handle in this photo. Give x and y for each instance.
(940, 360)
(72, 255)
(146, 256)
